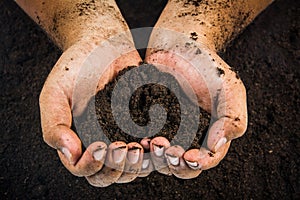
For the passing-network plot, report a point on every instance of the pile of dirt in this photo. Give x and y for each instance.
(140, 103)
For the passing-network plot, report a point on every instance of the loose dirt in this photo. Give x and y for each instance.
(140, 104)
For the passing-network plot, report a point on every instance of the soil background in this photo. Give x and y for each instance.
(263, 164)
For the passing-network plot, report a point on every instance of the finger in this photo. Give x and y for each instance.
(158, 145)
(177, 164)
(114, 165)
(55, 109)
(222, 131)
(90, 162)
(133, 163)
(66, 142)
(145, 142)
(231, 109)
(205, 159)
(147, 165)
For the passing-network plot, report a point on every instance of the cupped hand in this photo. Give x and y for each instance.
(219, 91)
(99, 163)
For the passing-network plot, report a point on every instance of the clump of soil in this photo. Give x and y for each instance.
(99, 116)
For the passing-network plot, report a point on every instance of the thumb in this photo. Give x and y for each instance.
(66, 142)
(56, 120)
(231, 112)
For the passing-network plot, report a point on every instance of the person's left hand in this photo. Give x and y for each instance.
(219, 91)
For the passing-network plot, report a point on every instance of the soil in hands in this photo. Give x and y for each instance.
(99, 113)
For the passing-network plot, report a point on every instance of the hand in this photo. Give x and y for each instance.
(57, 104)
(97, 45)
(219, 91)
(184, 43)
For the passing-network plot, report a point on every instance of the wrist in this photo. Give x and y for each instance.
(68, 22)
(211, 23)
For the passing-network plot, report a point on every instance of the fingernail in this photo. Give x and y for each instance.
(145, 163)
(119, 154)
(133, 155)
(220, 143)
(158, 150)
(99, 153)
(67, 153)
(193, 165)
(174, 160)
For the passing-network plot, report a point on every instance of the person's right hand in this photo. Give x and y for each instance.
(102, 165)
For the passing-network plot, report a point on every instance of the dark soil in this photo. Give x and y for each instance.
(139, 106)
(263, 164)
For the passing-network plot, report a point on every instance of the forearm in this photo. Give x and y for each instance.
(214, 23)
(69, 21)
